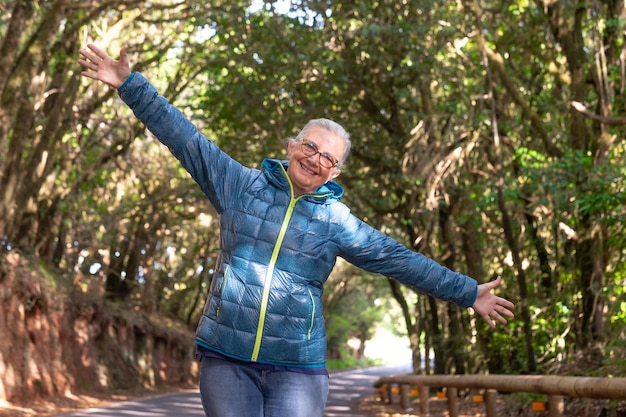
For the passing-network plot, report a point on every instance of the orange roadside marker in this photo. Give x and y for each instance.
(539, 406)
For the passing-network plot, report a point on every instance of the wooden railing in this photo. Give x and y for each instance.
(555, 387)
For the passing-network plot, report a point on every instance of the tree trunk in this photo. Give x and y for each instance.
(521, 280)
(456, 332)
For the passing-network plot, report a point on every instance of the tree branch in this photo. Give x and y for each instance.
(613, 121)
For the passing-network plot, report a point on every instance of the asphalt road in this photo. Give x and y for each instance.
(347, 389)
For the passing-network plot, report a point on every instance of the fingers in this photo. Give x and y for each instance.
(490, 322)
(504, 305)
(98, 65)
(89, 75)
(498, 317)
(99, 52)
(498, 312)
(488, 286)
(89, 56)
(88, 64)
(491, 307)
(90, 67)
(89, 60)
(495, 283)
(102, 55)
(99, 55)
(123, 55)
(494, 316)
(92, 61)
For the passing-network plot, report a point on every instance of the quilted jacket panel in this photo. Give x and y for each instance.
(277, 250)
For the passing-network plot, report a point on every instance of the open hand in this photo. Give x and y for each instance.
(491, 307)
(102, 67)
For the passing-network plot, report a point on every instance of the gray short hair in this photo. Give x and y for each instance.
(330, 126)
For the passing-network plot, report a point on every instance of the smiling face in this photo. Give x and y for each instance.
(306, 172)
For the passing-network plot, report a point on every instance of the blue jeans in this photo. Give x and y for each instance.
(230, 389)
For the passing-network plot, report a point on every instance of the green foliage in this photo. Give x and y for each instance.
(351, 363)
(448, 105)
(354, 304)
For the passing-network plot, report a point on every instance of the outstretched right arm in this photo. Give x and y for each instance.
(219, 176)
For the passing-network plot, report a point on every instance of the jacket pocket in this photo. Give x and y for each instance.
(221, 290)
(312, 312)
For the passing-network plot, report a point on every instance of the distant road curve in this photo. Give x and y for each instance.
(347, 389)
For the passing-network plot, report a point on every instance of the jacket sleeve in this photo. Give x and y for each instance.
(372, 250)
(218, 175)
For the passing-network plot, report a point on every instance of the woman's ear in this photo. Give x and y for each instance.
(290, 146)
(335, 174)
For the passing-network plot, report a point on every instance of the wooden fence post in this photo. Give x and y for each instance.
(490, 402)
(452, 398)
(555, 406)
(381, 392)
(385, 393)
(404, 396)
(423, 399)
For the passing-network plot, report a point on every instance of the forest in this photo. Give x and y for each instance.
(488, 135)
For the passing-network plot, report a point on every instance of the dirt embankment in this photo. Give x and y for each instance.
(58, 346)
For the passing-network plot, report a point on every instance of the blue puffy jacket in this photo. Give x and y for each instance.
(277, 250)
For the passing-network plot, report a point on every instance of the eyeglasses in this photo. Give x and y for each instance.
(310, 149)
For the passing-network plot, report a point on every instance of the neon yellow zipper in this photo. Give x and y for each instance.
(267, 284)
(268, 279)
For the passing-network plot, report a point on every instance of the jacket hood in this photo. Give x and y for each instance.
(278, 177)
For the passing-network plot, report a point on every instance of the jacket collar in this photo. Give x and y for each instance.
(277, 175)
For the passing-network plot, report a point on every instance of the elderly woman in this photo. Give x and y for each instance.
(261, 337)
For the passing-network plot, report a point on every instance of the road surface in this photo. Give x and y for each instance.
(347, 389)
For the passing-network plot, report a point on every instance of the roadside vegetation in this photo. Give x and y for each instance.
(487, 135)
